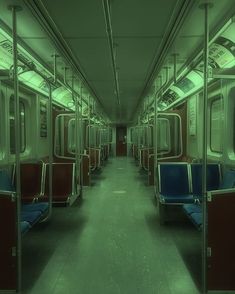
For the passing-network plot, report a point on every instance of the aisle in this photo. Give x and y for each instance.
(111, 244)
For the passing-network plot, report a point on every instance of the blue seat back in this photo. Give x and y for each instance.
(5, 181)
(196, 173)
(228, 180)
(173, 179)
(213, 177)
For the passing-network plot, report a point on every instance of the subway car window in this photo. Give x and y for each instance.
(169, 135)
(163, 136)
(216, 125)
(12, 126)
(71, 136)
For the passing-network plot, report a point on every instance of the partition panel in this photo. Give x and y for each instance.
(221, 242)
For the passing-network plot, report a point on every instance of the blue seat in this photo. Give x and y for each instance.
(228, 180)
(24, 226)
(196, 219)
(194, 211)
(31, 217)
(41, 206)
(213, 178)
(176, 199)
(5, 181)
(174, 184)
(191, 208)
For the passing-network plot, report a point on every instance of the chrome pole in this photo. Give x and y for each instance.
(55, 56)
(205, 6)
(175, 67)
(81, 141)
(148, 135)
(77, 169)
(155, 136)
(50, 139)
(14, 10)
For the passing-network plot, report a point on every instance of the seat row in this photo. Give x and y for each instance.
(35, 190)
(35, 182)
(30, 214)
(181, 183)
(194, 211)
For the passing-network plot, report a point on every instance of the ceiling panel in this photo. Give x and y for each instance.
(81, 18)
(94, 57)
(134, 56)
(138, 28)
(141, 17)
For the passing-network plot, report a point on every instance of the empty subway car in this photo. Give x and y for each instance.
(117, 146)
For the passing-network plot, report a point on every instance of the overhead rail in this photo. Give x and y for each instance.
(106, 9)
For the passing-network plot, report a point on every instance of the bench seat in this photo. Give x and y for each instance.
(32, 217)
(176, 199)
(196, 218)
(194, 211)
(40, 206)
(192, 208)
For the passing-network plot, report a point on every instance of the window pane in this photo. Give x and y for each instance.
(216, 125)
(12, 126)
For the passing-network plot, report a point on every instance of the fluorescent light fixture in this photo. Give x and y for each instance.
(31, 78)
(62, 95)
(34, 80)
(221, 56)
(222, 50)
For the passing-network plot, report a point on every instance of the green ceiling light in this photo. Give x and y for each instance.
(31, 78)
(34, 80)
(62, 95)
(183, 88)
(24, 57)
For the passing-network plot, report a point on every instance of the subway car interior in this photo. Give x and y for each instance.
(117, 146)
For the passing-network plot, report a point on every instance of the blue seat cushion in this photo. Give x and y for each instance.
(30, 216)
(24, 226)
(197, 218)
(176, 199)
(42, 206)
(191, 208)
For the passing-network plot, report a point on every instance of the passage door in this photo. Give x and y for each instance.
(121, 146)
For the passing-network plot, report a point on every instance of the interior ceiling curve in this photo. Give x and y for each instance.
(139, 30)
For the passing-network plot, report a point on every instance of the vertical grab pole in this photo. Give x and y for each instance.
(14, 9)
(81, 141)
(139, 134)
(155, 140)
(75, 99)
(50, 139)
(89, 132)
(175, 67)
(156, 99)
(205, 6)
(148, 136)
